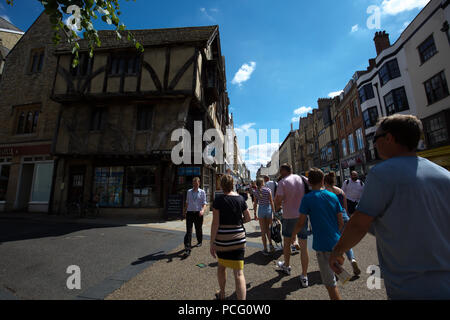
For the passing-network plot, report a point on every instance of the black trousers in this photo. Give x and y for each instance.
(351, 206)
(193, 218)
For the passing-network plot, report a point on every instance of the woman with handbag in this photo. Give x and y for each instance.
(228, 237)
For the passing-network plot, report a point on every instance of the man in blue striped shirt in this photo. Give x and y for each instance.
(193, 212)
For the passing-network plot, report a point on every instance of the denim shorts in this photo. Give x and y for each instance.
(289, 225)
(265, 212)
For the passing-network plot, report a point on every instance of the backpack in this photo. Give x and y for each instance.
(275, 231)
(360, 182)
(306, 185)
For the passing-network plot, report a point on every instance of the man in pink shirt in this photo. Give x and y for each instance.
(290, 192)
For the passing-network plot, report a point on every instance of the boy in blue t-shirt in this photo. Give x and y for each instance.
(325, 212)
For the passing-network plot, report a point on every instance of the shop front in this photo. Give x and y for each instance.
(26, 176)
(116, 183)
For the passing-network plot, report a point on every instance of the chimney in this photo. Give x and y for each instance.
(292, 127)
(381, 41)
(372, 64)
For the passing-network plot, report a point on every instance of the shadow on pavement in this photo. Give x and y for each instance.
(261, 260)
(160, 255)
(265, 291)
(24, 229)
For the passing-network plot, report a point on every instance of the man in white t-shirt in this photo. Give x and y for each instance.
(272, 185)
(353, 189)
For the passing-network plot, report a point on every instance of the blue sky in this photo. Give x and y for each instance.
(290, 52)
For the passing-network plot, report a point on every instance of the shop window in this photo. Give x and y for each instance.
(42, 182)
(436, 88)
(389, 71)
(4, 178)
(108, 186)
(141, 189)
(36, 60)
(27, 121)
(427, 49)
(396, 101)
(144, 118)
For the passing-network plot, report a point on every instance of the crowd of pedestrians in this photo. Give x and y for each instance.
(404, 203)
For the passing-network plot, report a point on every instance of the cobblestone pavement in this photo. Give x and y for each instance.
(173, 277)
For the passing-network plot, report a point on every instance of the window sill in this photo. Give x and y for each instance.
(434, 102)
(423, 62)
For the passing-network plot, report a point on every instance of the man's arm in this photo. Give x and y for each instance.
(202, 211)
(357, 227)
(278, 201)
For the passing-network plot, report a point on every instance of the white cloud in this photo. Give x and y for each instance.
(335, 94)
(255, 154)
(244, 73)
(355, 28)
(394, 7)
(302, 111)
(244, 127)
(206, 14)
(258, 155)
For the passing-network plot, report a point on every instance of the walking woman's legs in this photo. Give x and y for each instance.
(222, 277)
(241, 288)
(268, 223)
(263, 232)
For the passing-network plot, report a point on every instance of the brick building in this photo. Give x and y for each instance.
(29, 118)
(350, 131)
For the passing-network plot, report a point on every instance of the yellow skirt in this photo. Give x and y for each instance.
(233, 264)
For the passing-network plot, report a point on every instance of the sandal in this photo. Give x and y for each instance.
(218, 297)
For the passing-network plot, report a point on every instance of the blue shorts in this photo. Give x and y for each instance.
(265, 211)
(289, 225)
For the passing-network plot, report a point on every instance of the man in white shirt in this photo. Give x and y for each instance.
(272, 185)
(353, 189)
(193, 212)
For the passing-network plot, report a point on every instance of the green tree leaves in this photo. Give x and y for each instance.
(81, 14)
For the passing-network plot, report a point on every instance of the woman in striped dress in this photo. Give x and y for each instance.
(228, 239)
(263, 199)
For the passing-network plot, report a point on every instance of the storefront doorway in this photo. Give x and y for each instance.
(76, 184)
(35, 184)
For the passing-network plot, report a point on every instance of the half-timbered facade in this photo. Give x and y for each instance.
(119, 109)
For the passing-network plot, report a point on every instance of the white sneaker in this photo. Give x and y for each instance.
(286, 270)
(304, 281)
